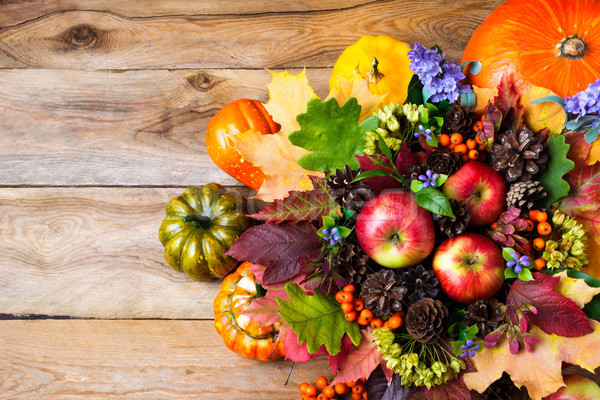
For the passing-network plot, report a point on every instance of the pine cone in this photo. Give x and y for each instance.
(505, 389)
(519, 155)
(459, 119)
(452, 226)
(351, 262)
(383, 292)
(420, 284)
(349, 196)
(415, 170)
(483, 314)
(425, 320)
(444, 162)
(524, 195)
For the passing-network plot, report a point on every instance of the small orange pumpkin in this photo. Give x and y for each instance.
(549, 43)
(237, 117)
(240, 333)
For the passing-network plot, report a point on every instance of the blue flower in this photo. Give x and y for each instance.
(586, 101)
(516, 263)
(468, 347)
(422, 131)
(429, 179)
(332, 236)
(439, 77)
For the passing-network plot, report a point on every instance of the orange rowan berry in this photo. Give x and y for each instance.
(364, 395)
(541, 216)
(539, 243)
(376, 323)
(478, 139)
(540, 263)
(341, 388)
(347, 307)
(365, 317)
(344, 297)
(350, 383)
(544, 228)
(311, 390)
(321, 396)
(329, 392)
(359, 304)
(395, 322)
(494, 225)
(351, 316)
(356, 396)
(471, 144)
(456, 138)
(359, 388)
(461, 148)
(452, 146)
(349, 288)
(533, 215)
(444, 139)
(473, 154)
(321, 382)
(530, 225)
(480, 147)
(302, 387)
(478, 125)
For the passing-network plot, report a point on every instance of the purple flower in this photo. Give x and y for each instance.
(439, 77)
(429, 179)
(468, 347)
(422, 131)
(332, 236)
(586, 101)
(516, 263)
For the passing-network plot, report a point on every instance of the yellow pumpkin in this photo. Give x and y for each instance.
(383, 59)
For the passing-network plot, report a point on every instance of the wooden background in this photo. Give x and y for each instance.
(103, 110)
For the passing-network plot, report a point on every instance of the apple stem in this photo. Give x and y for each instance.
(395, 239)
(473, 260)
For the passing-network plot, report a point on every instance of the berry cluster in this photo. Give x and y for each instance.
(354, 310)
(311, 392)
(470, 149)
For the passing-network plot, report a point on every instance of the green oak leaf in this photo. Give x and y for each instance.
(331, 133)
(557, 166)
(317, 320)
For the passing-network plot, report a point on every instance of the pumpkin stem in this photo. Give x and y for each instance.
(572, 47)
(199, 221)
(374, 74)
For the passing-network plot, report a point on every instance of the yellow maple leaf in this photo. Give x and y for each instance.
(542, 115)
(288, 95)
(482, 97)
(357, 85)
(575, 289)
(594, 154)
(276, 156)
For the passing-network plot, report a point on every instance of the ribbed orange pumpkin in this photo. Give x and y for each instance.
(240, 333)
(550, 43)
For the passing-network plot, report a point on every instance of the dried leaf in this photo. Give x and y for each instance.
(579, 149)
(277, 157)
(542, 115)
(288, 97)
(361, 361)
(507, 101)
(277, 247)
(585, 186)
(310, 205)
(575, 289)
(540, 371)
(555, 313)
(356, 85)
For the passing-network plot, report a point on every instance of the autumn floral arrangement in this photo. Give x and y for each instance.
(422, 233)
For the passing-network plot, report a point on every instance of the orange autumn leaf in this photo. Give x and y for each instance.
(575, 289)
(594, 154)
(357, 85)
(542, 115)
(276, 156)
(482, 97)
(591, 222)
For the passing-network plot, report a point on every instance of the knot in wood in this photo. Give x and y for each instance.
(82, 36)
(201, 81)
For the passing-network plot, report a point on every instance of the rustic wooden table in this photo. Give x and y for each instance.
(103, 110)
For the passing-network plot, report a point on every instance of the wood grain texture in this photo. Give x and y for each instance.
(136, 360)
(94, 253)
(143, 128)
(106, 40)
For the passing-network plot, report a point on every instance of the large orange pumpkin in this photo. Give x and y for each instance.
(237, 117)
(550, 43)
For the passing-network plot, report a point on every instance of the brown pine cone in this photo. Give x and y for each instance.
(525, 195)
(350, 196)
(420, 284)
(459, 119)
(483, 314)
(383, 292)
(351, 262)
(425, 320)
(519, 155)
(444, 162)
(415, 170)
(452, 226)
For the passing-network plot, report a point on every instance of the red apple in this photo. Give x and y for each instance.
(394, 231)
(470, 267)
(482, 188)
(578, 388)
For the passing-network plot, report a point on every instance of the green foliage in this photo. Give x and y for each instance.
(331, 133)
(317, 320)
(434, 201)
(558, 165)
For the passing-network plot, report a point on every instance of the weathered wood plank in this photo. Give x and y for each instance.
(104, 40)
(143, 128)
(93, 252)
(13, 12)
(83, 359)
